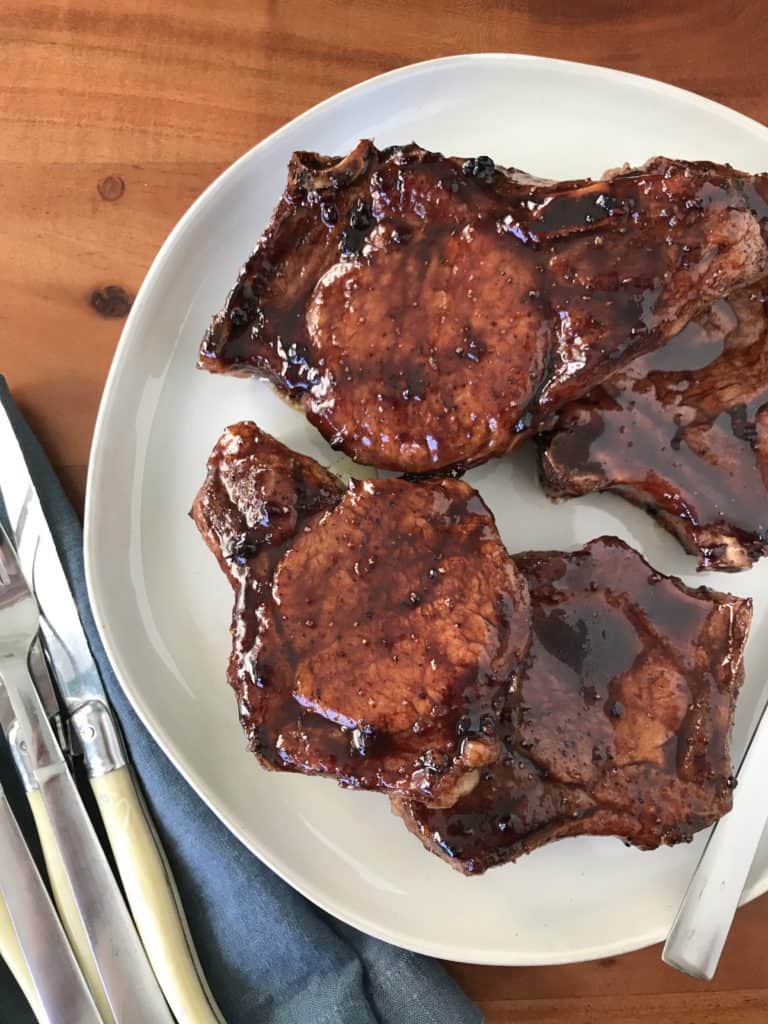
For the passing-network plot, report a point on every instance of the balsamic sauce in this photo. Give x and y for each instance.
(377, 268)
(620, 722)
(681, 428)
(375, 630)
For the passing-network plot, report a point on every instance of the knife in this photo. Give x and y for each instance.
(697, 937)
(58, 993)
(141, 863)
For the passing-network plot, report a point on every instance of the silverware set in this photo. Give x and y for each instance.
(99, 956)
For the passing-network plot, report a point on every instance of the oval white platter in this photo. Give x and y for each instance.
(163, 606)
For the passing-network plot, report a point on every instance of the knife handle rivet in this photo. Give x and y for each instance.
(99, 740)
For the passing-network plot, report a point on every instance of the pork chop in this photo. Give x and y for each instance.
(620, 724)
(682, 433)
(429, 311)
(375, 629)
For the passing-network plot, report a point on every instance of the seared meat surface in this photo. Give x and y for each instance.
(619, 726)
(683, 433)
(376, 629)
(429, 312)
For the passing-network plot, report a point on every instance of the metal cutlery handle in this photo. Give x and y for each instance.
(132, 989)
(704, 919)
(13, 955)
(62, 995)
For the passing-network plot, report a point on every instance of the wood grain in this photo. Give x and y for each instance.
(163, 94)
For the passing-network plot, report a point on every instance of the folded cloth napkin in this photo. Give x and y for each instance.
(270, 956)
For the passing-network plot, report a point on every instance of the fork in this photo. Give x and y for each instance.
(129, 983)
(61, 991)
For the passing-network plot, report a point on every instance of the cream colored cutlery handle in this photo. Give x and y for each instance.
(10, 950)
(65, 903)
(153, 898)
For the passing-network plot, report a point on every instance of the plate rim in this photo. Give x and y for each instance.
(470, 955)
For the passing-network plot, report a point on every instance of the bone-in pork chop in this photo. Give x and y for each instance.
(429, 312)
(376, 628)
(619, 726)
(682, 433)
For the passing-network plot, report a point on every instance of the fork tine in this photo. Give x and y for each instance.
(5, 579)
(10, 569)
(9, 565)
(15, 592)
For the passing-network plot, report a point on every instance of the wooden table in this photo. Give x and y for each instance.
(115, 115)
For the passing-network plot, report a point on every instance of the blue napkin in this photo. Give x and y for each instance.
(270, 956)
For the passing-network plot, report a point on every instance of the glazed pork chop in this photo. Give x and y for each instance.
(620, 724)
(682, 433)
(429, 312)
(376, 627)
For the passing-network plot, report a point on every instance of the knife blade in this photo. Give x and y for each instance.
(40, 671)
(76, 674)
(141, 861)
(38, 666)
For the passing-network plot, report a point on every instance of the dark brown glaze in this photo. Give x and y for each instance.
(429, 312)
(682, 433)
(621, 723)
(375, 628)
(257, 496)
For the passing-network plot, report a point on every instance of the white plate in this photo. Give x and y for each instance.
(163, 606)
